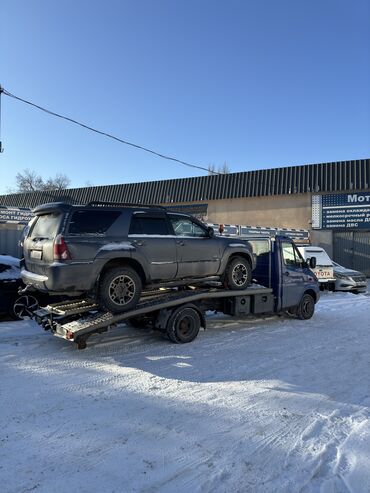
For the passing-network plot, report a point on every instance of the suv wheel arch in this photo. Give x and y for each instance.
(121, 262)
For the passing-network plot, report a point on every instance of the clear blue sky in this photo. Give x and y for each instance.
(257, 84)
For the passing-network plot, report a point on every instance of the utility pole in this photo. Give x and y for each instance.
(1, 145)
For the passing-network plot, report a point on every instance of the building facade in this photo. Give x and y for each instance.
(300, 197)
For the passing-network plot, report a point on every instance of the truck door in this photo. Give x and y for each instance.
(292, 276)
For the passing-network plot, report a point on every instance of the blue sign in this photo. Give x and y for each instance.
(15, 215)
(341, 211)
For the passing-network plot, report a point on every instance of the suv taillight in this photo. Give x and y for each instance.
(61, 251)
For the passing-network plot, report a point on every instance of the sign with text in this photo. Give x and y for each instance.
(341, 211)
(15, 215)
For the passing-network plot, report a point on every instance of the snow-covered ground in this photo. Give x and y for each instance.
(275, 405)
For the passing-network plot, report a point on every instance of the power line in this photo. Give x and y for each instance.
(137, 146)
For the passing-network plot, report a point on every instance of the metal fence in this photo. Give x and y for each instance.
(352, 249)
(9, 239)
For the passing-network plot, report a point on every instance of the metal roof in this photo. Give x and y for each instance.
(323, 177)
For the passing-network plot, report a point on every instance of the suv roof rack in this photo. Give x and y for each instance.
(125, 204)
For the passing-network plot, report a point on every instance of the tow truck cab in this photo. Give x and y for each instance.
(281, 267)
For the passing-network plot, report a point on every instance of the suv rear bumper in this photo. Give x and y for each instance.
(62, 279)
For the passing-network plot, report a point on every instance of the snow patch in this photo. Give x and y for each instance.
(122, 246)
(267, 405)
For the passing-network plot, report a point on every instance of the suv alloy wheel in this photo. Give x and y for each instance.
(238, 274)
(120, 289)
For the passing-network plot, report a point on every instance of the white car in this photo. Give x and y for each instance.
(349, 280)
(324, 270)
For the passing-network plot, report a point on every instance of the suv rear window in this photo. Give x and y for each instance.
(46, 226)
(92, 222)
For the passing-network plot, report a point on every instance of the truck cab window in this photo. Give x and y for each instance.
(290, 255)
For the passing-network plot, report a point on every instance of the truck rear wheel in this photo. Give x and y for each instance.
(120, 289)
(183, 325)
(238, 274)
(306, 307)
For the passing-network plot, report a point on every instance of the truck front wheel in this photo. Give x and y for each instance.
(306, 307)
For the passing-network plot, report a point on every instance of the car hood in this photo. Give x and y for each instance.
(347, 272)
(9, 268)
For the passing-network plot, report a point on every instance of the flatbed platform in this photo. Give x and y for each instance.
(76, 320)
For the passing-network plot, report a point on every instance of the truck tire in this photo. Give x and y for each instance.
(120, 289)
(306, 307)
(238, 274)
(183, 325)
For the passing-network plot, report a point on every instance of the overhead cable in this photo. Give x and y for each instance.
(137, 146)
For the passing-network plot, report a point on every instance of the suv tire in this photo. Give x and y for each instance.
(238, 274)
(120, 289)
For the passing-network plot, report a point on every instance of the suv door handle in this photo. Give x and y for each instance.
(286, 273)
(180, 242)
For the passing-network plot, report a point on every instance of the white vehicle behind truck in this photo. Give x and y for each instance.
(324, 270)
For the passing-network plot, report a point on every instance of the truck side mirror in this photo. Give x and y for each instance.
(312, 262)
(211, 232)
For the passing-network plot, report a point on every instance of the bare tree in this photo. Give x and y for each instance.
(211, 169)
(223, 170)
(60, 182)
(30, 181)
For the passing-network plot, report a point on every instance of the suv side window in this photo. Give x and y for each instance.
(184, 226)
(291, 256)
(92, 222)
(146, 225)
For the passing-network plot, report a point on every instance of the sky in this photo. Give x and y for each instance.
(256, 84)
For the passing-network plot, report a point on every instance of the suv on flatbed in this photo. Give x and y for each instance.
(113, 251)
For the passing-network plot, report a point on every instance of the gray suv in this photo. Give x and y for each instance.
(114, 251)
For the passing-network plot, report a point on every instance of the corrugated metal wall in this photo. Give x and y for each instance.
(9, 239)
(352, 249)
(324, 177)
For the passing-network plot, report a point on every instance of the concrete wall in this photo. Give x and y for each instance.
(284, 211)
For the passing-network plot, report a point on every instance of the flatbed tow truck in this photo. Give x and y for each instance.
(283, 282)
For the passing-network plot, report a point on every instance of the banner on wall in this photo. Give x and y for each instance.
(17, 215)
(341, 211)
